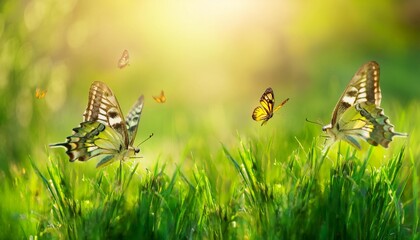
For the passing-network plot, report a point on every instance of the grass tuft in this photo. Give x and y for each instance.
(304, 194)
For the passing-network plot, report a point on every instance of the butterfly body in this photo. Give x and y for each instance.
(104, 133)
(358, 113)
(266, 110)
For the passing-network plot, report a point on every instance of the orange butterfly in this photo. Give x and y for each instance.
(161, 98)
(123, 61)
(39, 93)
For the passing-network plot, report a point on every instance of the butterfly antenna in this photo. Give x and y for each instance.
(150, 136)
(284, 102)
(317, 123)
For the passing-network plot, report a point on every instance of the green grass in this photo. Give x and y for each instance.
(257, 191)
(210, 172)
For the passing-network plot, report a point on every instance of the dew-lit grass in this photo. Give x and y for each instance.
(210, 171)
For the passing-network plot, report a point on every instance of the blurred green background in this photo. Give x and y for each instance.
(213, 59)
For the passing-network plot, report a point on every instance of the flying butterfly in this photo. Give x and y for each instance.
(266, 110)
(358, 113)
(124, 60)
(161, 98)
(104, 134)
(39, 93)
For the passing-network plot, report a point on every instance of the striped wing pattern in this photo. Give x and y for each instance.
(133, 119)
(358, 113)
(266, 110)
(92, 140)
(103, 134)
(104, 108)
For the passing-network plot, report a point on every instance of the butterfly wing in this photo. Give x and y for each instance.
(124, 60)
(363, 87)
(133, 119)
(265, 111)
(161, 98)
(358, 113)
(104, 134)
(379, 129)
(40, 94)
(260, 114)
(92, 140)
(267, 100)
(103, 107)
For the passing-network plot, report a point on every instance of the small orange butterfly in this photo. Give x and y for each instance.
(39, 93)
(123, 61)
(266, 110)
(161, 98)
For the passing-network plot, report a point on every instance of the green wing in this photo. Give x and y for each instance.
(381, 129)
(366, 121)
(93, 140)
(358, 113)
